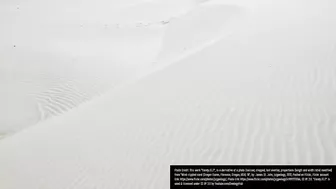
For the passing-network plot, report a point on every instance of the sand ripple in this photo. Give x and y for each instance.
(264, 95)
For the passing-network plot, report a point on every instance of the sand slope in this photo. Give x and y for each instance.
(264, 95)
(60, 72)
(73, 53)
(55, 56)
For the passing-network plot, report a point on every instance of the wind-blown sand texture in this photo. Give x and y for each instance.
(55, 62)
(264, 94)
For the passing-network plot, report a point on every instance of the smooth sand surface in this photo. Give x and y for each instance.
(265, 94)
(197, 29)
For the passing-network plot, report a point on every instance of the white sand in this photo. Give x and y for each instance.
(55, 56)
(206, 28)
(263, 94)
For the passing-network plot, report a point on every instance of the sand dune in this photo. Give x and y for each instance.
(67, 63)
(264, 95)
